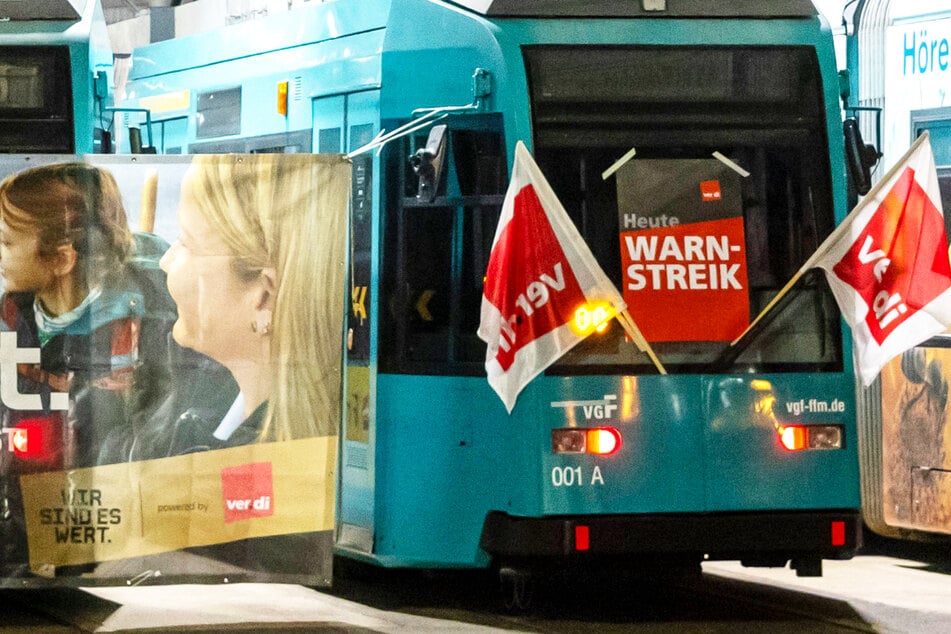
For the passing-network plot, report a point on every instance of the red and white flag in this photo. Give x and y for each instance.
(540, 273)
(888, 264)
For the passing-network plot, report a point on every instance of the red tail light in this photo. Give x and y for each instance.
(35, 439)
(838, 533)
(798, 437)
(582, 538)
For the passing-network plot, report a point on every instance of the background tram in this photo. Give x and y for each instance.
(433, 471)
(898, 55)
(55, 77)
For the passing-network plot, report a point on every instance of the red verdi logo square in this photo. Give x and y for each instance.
(710, 190)
(248, 491)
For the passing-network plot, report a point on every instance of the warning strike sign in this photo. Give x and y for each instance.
(683, 249)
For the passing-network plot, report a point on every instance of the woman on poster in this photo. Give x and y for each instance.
(254, 274)
(257, 275)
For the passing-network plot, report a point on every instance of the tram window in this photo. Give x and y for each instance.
(944, 185)
(937, 121)
(29, 77)
(435, 252)
(478, 234)
(21, 87)
(478, 159)
(35, 85)
(941, 142)
(277, 149)
(591, 105)
(433, 315)
(940, 132)
(170, 133)
(329, 140)
(219, 113)
(426, 294)
(285, 142)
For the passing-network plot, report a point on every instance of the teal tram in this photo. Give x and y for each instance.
(745, 452)
(55, 78)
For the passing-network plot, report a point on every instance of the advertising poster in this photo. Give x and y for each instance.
(171, 340)
(683, 250)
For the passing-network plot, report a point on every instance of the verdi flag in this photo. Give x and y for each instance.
(888, 264)
(540, 273)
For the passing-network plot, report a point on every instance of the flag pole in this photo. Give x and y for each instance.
(782, 293)
(627, 322)
(832, 237)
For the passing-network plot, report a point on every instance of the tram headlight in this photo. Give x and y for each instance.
(825, 437)
(567, 441)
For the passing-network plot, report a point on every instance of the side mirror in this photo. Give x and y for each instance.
(859, 156)
(428, 161)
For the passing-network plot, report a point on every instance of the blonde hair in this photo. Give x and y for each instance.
(288, 211)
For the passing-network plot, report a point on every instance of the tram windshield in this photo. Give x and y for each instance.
(721, 192)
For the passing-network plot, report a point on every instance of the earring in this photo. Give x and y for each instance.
(262, 322)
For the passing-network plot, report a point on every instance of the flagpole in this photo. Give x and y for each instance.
(769, 306)
(833, 237)
(627, 322)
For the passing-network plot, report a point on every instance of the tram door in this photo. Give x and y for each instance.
(343, 123)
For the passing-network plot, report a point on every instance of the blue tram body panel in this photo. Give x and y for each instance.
(423, 37)
(434, 471)
(746, 465)
(659, 466)
(704, 453)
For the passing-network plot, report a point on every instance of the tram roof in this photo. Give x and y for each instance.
(642, 8)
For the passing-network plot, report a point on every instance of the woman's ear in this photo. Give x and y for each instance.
(267, 289)
(64, 261)
(265, 292)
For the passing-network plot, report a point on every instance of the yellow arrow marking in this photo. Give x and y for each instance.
(422, 304)
(359, 297)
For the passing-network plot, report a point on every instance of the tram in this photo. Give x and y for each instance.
(55, 78)
(898, 58)
(746, 452)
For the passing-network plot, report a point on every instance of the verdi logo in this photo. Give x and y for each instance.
(248, 491)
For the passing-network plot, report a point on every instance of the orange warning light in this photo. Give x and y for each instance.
(282, 97)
